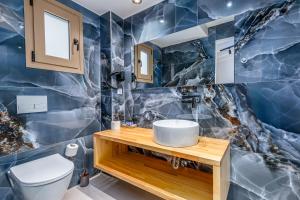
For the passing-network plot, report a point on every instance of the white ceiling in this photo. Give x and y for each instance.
(123, 8)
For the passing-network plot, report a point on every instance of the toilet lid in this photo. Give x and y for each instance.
(42, 171)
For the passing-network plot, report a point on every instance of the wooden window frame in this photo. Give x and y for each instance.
(35, 51)
(140, 77)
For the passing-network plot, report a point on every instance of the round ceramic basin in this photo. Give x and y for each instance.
(176, 133)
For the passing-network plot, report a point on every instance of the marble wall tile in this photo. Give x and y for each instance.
(106, 109)
(267, 43)
(179, 15)
(215, 9)
(128, 52)
(189, 63)
(73, 100)
(105, 27)
(277, 103)
(186, 14)
(146, 25)
(106, 93)
(112, 55)
(129, 69)
(117, 56)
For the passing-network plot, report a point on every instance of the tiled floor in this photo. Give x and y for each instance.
(104, 187)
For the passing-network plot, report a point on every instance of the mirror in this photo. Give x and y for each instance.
(192, 57)
(56, 42)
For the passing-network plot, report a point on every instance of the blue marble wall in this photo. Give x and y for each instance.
(112, 55)
(259, 113)
(267, 43)
(106, 93)
(189, 63)
(182, 14)
(73, 100)
(117, 52)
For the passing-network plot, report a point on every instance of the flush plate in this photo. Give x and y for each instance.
(31, 104)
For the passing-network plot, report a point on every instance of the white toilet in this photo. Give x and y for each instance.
(47, 178)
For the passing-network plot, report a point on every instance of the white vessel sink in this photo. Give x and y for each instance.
(176, 133)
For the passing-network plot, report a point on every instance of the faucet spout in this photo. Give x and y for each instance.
(194, 100)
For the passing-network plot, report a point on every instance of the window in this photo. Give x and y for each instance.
(54, 36)
(144, 63)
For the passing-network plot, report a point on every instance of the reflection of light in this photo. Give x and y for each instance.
(137, 1)
(229, 4)
(19, 47)
(161, 15)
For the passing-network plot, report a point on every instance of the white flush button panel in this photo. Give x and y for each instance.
(31, 104)
(224, 69)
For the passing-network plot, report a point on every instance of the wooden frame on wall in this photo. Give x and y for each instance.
(35, 37)
(146, 78)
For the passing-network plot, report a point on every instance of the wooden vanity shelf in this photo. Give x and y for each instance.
(157, 176)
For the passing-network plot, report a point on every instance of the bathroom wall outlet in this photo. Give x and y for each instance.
(31, 104)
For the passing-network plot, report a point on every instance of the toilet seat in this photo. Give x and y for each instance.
(42, 171)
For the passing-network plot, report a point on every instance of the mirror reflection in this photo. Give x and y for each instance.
(224, 60)
(144, 63)
(191, 57)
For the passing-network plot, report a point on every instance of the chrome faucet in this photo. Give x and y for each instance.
(194, 100)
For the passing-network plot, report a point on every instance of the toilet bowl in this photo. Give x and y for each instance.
(47, 178)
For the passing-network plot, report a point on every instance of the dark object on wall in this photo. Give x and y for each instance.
(193, 99)
(133, 77)
(189, 95)
(133, 81)
(120, 76)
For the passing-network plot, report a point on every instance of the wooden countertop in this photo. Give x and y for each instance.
(208, 151)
